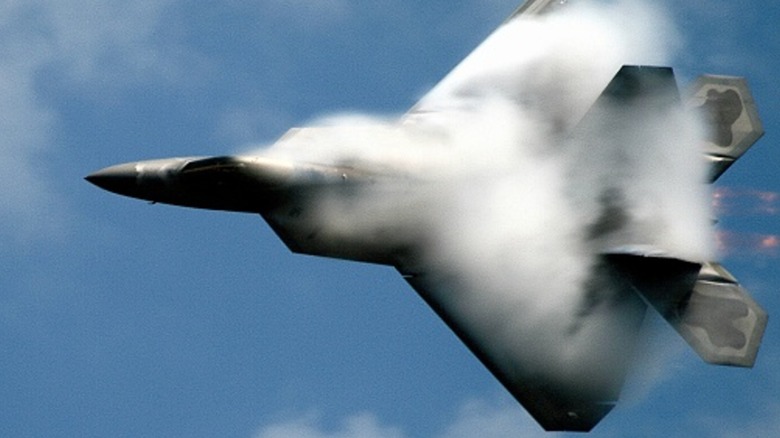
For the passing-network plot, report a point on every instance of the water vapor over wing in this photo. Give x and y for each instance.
(514, 205)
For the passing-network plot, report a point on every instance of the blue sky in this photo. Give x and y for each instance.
(122, 319)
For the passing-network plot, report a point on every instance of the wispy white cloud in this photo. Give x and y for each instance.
(488, 419)
(479, 417)
(363, 425)
(26, 125)
(503, 418)
(310, 14)
(763, 423)
(246, 126)
(717, 30)
(115, 42)
(88, 44)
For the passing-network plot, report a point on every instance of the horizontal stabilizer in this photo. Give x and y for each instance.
(704, 304)
(720, 320)
(730, 117)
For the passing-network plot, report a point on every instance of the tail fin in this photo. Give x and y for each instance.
(720, 320)
(704, 304)
(731, 118)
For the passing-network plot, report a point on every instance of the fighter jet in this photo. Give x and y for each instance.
(308, 202)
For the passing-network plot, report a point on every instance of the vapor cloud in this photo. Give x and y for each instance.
(515, 208)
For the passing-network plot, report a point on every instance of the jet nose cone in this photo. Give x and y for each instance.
(151, 180)
(121, 179)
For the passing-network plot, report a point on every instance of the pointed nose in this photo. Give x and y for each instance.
(152, 180)
(121, 179)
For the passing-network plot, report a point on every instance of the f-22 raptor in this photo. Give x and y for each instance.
(700, 299)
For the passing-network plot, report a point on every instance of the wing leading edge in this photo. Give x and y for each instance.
(537, 7)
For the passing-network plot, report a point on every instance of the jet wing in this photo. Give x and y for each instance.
(566, 370)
